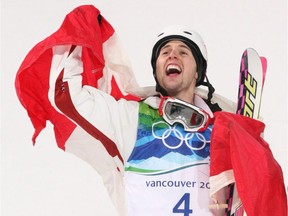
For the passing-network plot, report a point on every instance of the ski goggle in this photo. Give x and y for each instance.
(193, 118)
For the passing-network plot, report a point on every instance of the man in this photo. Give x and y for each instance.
(169, 165)
(146, 142)
(153, 155)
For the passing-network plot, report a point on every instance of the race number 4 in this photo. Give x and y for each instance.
(183, 205)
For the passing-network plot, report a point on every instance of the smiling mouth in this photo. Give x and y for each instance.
(173, 69)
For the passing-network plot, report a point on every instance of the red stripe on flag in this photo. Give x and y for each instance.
(32, 86)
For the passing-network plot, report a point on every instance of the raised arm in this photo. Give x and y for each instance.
(99, 114)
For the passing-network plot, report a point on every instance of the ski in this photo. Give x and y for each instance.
(251, 82)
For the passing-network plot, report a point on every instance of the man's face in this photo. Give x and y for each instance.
(176, 69)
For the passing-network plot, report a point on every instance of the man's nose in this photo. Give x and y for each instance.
(173, 54)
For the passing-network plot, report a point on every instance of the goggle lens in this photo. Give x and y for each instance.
(180, 112)
(191, 117)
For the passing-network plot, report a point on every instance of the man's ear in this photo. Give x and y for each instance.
(196, 76)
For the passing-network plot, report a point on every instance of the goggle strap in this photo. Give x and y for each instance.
(211, 89)
(162, 101)
(208, 122)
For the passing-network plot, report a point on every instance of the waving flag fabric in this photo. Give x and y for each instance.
(239, 154)
(85, 27)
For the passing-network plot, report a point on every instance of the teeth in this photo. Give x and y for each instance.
(173, 67)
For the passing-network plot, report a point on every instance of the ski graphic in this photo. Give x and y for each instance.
(251, 82)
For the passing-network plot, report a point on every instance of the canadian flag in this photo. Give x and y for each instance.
(105, 66)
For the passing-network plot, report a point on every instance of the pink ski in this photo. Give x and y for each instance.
(251, 81)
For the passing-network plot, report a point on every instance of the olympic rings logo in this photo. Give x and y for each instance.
(187, 138)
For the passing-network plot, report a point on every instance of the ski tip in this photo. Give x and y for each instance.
(264, 63)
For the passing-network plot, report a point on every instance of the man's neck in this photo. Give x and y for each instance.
(189, 98)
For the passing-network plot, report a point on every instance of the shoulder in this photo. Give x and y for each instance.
(223, 103)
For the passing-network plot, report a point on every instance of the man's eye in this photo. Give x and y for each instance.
(183, 53)
(164, 53)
